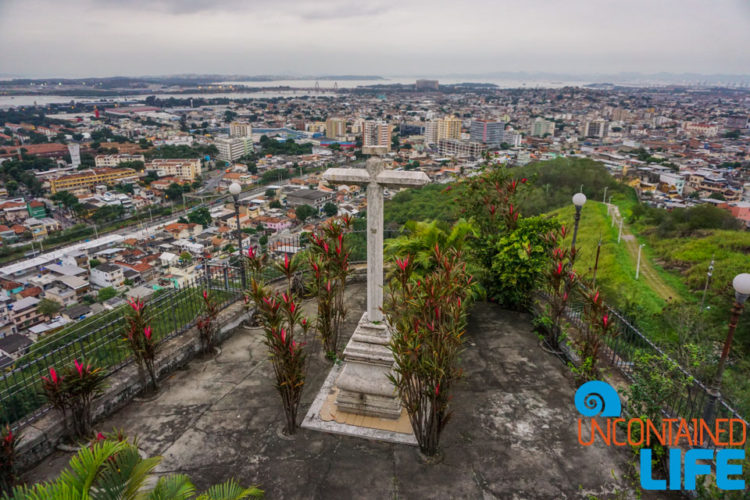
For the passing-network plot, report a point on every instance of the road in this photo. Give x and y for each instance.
(647, 272)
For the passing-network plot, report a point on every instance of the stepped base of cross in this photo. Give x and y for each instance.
(357, 398)
(364, 386)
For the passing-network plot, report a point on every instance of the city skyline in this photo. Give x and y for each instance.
(84, 38)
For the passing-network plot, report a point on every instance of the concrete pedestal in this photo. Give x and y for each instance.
(363, 384)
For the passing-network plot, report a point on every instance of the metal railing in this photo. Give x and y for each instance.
(623, 350)
(98, 340)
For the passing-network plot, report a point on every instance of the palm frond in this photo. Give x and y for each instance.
(230, 490)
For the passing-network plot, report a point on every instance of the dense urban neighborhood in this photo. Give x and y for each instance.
(102, 200)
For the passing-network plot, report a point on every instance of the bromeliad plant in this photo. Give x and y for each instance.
(207, 327)
(598, 325)
(329, 262)
(282, 320)
(72, 393)
(427, 318)
(560, 282)
(8, 443)
(139, 338)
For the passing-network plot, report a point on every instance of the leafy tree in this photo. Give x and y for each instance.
(519, 261)
(304, 212)
(136, 165)
(48, 307)
(229, 115)
(335, 147)
(106, 294)
(66, 198)
(94, 262)
(288, 147)
(200, 216)
(275, 204)
(270, 193)
(186, 256)
(263, 240)
(330, 209)
(109, 213)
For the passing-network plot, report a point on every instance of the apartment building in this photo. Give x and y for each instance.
(444, 128)
(84, 180)
(111, 161)
(487, 132)
(541, 127)
(454, 147)
(240, 129)
(24, 313)
(376, 136)
(233, 148)
(106, 275)
(335, 127)
(186, 169)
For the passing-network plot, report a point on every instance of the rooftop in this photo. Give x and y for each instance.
(513, 432)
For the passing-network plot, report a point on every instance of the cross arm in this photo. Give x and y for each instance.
(395, 178)
(347, 176)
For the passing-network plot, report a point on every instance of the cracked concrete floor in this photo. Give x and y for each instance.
(512, 435)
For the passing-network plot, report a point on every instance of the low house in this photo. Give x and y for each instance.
(63, 296)
(79, 285)
(77, 312)
(14, 346)
(106, 275)
(311, 197)
(23, 313)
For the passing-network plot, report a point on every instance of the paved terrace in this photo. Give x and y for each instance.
(513, 432)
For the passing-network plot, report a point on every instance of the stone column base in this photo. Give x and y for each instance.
(363, 385)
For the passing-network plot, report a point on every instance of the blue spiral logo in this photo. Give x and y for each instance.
(598, 398)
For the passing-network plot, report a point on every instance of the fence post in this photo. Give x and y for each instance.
(226, 277)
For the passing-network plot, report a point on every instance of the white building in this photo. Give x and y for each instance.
(184, 168)
(234, 148)
(105, 275)
(240, 129)
(114, 160)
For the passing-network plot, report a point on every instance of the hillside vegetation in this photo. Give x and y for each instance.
(665, 303)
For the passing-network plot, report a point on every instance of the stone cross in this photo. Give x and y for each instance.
(376, 178)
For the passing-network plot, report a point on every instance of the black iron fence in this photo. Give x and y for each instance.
(98, 340)
(623, 351)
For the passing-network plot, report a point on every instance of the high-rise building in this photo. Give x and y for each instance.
(487, 132)
(444, 128)
(376, 135)
(427, 85)
(233, 148)
(335, 127)
(595, 128)
(542, 127)
(240, 129)
(75, 154)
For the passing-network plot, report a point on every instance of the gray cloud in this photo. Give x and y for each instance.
(136, 37)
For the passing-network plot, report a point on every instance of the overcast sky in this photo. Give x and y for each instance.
(74, 38)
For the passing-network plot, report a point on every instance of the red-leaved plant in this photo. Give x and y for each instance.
(560, 283)
(598, 325)
(329, 262)
(427, 318)
(282, 320)
(140, 339)
(72, 393)
(207, 326)
(8, 443)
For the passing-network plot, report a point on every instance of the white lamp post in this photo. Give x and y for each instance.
(741, 284)
(235, 190)
(638, 265)
(578, 200)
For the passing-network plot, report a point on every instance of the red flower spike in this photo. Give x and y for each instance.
(437, 389)
(147, 332)
(100, 437)
(286, 261)
(596, 297)
(523, 181)
(53, 375)
(205, 295)
(605, 320)
(79, 367)
(283, 336)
